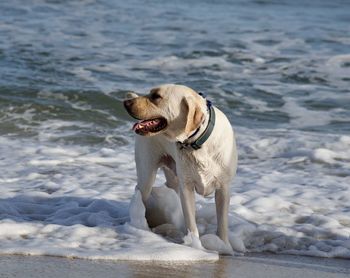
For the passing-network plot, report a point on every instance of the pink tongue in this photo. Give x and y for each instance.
(145, 123)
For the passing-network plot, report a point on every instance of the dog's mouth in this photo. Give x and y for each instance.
(148, 127)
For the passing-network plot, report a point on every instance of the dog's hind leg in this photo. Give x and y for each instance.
(222, 202)
(172, 180)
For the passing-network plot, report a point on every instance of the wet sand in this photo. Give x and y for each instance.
(256, 265)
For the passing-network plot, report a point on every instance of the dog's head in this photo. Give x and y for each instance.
(173, 110)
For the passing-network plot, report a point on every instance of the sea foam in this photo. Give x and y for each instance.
(78, 201)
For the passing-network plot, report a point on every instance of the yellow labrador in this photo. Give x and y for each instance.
(192, 141)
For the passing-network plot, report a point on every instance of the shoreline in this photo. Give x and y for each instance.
(253, 265)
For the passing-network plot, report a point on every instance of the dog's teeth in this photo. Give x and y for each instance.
(144, 126)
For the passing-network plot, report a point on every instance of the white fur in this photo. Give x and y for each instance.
(207, 170)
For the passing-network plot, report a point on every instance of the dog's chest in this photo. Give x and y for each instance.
(202, 170)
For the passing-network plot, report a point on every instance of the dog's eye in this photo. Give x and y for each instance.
(155, 96)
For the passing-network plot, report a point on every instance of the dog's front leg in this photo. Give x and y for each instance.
(145, 181)
(146, 166)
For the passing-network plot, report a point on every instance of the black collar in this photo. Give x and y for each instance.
(197, 144)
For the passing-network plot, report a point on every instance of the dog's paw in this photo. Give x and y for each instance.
(237, 243)
(192, 240)
(214, 243)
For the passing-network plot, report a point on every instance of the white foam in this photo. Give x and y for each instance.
(164, 204)
(290, 196)
(337, 153)
(177, 63)
(336, 69)
(303, 117)
(137, 212)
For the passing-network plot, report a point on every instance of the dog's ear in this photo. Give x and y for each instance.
(130, 95)
(194, 114)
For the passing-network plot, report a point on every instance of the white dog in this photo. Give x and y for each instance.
(192, 141)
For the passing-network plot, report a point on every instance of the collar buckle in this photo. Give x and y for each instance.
(188, 146)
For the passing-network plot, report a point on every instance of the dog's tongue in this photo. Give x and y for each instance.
(145, 124)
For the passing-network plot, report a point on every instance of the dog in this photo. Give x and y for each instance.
(181, 132)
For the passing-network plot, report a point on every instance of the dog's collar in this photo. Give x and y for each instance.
(197, 144)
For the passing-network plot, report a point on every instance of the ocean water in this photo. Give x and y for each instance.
(280, 70)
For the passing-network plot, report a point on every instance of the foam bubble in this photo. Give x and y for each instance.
(303, 117)
(337, 68)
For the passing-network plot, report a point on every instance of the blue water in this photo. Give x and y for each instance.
(248, 56)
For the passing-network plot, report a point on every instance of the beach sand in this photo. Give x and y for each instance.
(254, 265)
